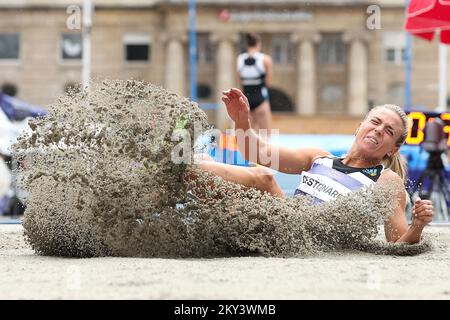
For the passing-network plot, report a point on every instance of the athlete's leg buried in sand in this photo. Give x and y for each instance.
(101, 182)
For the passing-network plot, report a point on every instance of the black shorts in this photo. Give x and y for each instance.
(256, 95)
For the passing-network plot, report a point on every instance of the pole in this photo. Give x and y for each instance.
(408, 63)
(192, 51)
(408, 52)
(442, 105)
(87, 27)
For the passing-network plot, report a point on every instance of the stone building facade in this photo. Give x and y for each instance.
(330, 57)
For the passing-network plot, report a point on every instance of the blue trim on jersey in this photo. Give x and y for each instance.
(338, 176)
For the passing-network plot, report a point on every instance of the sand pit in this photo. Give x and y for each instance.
(339, 275)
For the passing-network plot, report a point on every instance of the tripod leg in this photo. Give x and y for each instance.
(419, 184)
(423, 189)
(445, 195)
(437, 197)
(445, 185)
(415, 191)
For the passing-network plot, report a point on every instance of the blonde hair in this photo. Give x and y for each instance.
(395, 162)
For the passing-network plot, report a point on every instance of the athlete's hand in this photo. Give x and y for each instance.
(237, 106)
(423, 212)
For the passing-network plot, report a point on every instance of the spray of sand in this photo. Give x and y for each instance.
(101, 179)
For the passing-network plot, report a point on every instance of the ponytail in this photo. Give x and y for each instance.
(397, 164)
(252, 39)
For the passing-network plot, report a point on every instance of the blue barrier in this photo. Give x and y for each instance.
(208, 106)
(11, 221)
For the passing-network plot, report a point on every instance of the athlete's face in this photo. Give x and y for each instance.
(378, 134)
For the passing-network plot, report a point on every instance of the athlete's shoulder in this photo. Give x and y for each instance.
(267, 58)
(389, 176)
(242, 55)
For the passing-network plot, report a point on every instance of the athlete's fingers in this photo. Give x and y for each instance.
(418, 203)
(424, 214)
(424, 208)
(241, 94)
(232, 94)
(246, 99)
(423, 205)
(243, 103)
(236, 92)
(226, 100)
(227, 94)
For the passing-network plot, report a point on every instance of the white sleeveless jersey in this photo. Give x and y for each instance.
(328, 179)
(251, 68)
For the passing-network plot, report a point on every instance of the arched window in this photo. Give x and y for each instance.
(203, 91)
(280, 101)
(332, 93)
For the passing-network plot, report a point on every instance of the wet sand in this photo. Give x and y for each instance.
(340, 275)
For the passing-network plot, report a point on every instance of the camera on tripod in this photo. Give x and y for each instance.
(435, 140)
(433, 183)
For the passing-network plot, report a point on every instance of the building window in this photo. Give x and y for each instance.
(280, 101)
(71, 46)
(9, 46)
(332, 49)
(394, 47)
(282, 50)
(205, 49)
(137, 47)
(390, 55)
(332, 93)
(396, 95)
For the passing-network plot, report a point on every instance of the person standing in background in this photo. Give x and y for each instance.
(255, 75)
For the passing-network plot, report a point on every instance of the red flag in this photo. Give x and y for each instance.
(424, 17)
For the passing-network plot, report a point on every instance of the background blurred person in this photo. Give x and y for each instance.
(255, 75)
